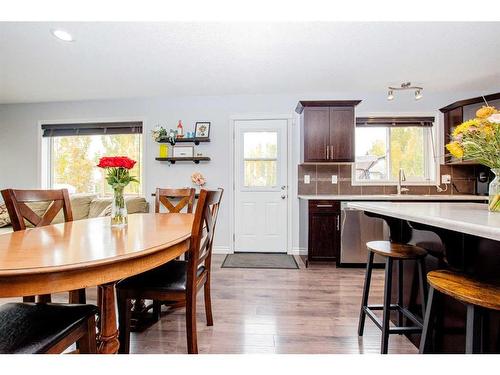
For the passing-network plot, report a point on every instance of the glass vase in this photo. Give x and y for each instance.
(118, 208)
(494, 192)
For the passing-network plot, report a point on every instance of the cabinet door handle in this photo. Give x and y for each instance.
(324, 205)
(327, 152)
(338, 223)
(331, 151)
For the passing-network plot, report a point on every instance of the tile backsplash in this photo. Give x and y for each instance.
(463, 181)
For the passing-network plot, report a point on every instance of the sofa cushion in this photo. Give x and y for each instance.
(102, 206)
(4, 216)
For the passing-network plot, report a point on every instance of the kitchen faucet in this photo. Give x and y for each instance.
(401, 178)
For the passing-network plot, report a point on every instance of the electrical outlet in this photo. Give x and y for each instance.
(307, 179)
(445, 179)
(334, 178)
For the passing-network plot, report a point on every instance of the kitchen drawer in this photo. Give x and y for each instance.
(324, 206)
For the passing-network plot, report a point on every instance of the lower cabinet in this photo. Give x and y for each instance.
(324, 230)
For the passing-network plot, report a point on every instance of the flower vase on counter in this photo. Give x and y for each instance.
(494, 192)
(118, 177)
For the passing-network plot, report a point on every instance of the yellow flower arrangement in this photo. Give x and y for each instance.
(478, 140)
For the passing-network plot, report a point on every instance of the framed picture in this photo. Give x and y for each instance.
(183, 151)
(202, 130)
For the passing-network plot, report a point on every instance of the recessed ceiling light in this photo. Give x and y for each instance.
(62, 35)
(418, 94)
(390, 95)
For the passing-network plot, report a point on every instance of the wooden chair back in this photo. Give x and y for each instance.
(16, 203)
(202, 235)
(185, 199)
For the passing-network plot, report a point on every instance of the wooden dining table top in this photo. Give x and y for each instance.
(89, 242)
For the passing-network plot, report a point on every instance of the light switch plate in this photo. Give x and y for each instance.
(334, 179)
(445, 179)
(307, 179)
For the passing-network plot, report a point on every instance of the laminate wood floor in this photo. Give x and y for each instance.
(313, 310)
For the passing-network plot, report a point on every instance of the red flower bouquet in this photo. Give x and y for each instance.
(116, 162)
(118, 176)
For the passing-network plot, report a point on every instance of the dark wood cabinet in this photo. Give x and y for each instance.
(324, 230)
(328, 130)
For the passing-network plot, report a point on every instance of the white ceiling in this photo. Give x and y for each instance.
(117, 60)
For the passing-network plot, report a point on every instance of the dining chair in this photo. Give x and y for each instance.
(17, 203)
(182, 199)
(32, 328)
(174, 201)
(179, 280)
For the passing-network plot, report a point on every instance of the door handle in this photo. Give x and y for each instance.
(324, 205)
(327, 152)
(331, 151)
(338, 223)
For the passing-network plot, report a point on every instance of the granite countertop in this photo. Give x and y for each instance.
(470, 218)
(394, 197)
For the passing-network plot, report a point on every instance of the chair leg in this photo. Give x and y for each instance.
(208, 302)
(124, 313)
(387, 307)
(77, 296)
(423, 284)
(400, 293)
(473, 330)
(156, 310)
(87, 344)
(426, 337)
(366, 293)
(191, 336)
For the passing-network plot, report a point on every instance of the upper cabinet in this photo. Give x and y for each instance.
(328, 129)
(463, 110)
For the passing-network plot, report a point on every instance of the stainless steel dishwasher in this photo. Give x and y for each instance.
(356, 230)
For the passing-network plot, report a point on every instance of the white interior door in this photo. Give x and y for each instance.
(261, 186)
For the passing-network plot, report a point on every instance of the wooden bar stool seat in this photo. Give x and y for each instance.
(400, 253)
(476, 294)
(396, 250)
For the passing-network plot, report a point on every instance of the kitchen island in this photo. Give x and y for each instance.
(460, 236)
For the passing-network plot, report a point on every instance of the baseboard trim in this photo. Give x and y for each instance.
(299, 251)
(221, 250)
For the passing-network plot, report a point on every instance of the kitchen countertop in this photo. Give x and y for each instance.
(469, 218)
(394, 197)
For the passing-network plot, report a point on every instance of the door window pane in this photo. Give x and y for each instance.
(260, 173)
(258, 145)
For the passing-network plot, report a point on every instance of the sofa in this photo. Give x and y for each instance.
(83, 206)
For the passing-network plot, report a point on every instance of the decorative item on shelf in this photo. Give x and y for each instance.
(202, 130)
(163, 150)
(160, 134)
(118, 177)
(180, 130)
(183, 151)
(199, 153)
(479, 140)
(198, 180)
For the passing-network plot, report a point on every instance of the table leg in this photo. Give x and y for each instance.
(108, 342)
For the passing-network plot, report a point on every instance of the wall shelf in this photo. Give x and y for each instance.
(194, 159)
(196, 141)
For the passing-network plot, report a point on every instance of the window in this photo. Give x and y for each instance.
(382, 150)
(72, 158)
(260, 159)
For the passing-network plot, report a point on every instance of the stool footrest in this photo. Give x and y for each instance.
(408, 314)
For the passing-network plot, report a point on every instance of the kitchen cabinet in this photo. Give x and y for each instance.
(324, 230)
(328, 129)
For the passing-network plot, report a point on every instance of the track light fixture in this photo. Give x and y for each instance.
(405, 86)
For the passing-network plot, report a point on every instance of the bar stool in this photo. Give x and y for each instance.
(400, 252)
(477, 295)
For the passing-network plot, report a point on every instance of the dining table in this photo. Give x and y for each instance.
(90, 252)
